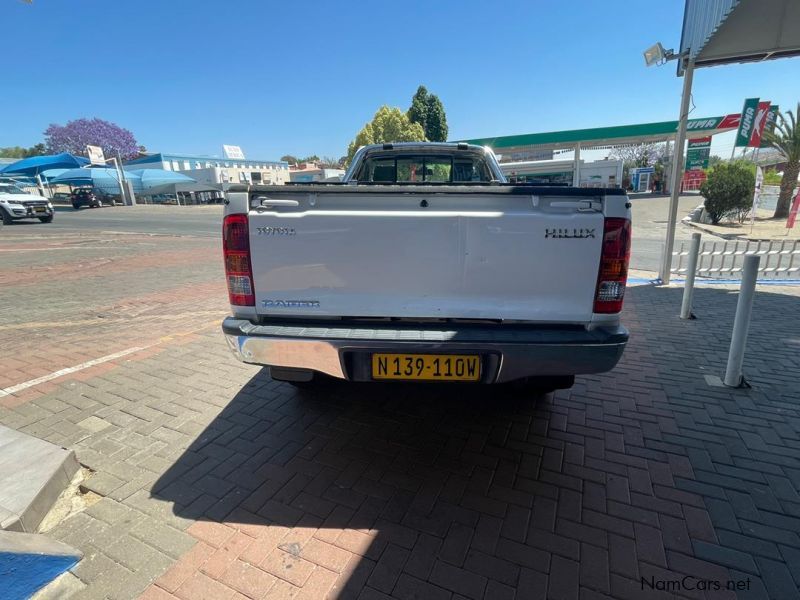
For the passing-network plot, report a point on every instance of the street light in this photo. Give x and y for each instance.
(657, 55)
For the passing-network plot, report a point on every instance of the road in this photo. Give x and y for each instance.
(649, 224)
(650, 229)
(174, 220)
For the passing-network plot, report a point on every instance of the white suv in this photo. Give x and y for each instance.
(15, 204)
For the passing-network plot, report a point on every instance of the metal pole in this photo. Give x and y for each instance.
(125, 199)
(741, 323)
(576, 174)
(40, 185)
(691, 270)
(119, 180)
(668, 157)
(677, 171)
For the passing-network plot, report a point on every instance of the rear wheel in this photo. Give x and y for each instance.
(76, 206)
(48, 219)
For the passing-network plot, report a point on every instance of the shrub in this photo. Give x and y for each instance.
(728, 191)
(771, 177)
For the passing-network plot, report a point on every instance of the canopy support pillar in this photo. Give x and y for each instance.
(677, 173)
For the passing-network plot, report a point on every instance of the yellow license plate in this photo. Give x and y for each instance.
(39, 209)
(428, 367)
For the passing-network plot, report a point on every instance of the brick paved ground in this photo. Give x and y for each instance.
(67, 297)
(220, 483)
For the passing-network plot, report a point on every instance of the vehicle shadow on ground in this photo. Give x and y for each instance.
(386, 460)
(417, 478)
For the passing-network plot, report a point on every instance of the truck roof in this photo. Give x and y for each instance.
(425, 147)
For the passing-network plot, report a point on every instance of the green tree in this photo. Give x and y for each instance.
(435, 120)
(785, 138)
(37, 150)
(728, 190)
(388, 125)
(418, 111)
(427, 110)
(12, 152)
(329, 162)
(20, 152)
(294, 160)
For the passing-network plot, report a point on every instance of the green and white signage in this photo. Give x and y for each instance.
(770, 125)
(747, 122)
(697, 153)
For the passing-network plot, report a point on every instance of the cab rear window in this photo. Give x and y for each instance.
(424, 168)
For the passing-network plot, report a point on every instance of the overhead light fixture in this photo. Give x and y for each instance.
(656, 54)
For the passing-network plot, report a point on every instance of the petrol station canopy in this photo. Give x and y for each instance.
(600, 138)
(717, 32)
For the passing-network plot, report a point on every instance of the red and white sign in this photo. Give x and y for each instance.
(793, 213)
(730, 121)
(758, 124)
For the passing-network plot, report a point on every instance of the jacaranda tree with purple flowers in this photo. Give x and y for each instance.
(76, 135)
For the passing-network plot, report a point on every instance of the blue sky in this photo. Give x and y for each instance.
(280, 78)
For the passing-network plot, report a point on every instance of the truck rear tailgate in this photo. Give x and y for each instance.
(456, 252)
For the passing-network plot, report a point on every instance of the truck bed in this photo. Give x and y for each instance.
(467, 251)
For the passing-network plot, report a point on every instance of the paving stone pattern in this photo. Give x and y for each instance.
(220, 483)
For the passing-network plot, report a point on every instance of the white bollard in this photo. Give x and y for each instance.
(741, 323)
(691, 270)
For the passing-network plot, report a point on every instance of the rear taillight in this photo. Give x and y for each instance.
(613, 271)
(236, 250)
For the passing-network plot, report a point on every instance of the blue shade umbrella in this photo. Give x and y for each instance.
(36, 164)
(149, 178)
(106, 180)
(51, 173)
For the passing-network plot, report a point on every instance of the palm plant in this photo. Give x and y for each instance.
(785, 138)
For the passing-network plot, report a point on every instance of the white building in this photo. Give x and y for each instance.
(309, 172)
(599, 173)
(223, 171)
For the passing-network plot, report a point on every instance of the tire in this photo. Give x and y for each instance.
(46, 219)
(76, 206)
(7, 220)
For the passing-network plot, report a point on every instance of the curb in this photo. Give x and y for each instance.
(33, 473)
(739, 237)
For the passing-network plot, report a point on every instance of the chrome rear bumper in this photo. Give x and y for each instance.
(510, 351)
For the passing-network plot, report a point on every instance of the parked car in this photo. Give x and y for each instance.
(91, 197)
(16, 204)
(423, 264)
(62, 198)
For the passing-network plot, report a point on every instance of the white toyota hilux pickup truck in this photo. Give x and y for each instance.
(424, 264)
